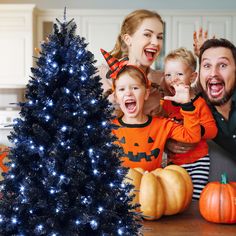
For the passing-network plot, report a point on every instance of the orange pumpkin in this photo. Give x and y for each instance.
(4, 150)
(165, 191)
(217, 201)
(134, 177)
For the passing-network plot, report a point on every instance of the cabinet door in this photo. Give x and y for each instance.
(183, 28)
(99, 28)
(15, 59)
(101, 32)
(220, 26)
(16, 45)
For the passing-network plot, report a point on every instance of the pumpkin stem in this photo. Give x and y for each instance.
(224, 178)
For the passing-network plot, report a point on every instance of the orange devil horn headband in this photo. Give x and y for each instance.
(117, 66)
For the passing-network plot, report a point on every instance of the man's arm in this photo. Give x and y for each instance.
(175, 147)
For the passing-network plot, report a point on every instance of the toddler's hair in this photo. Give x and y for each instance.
(184, 55)
(107, 93)
(129, 26)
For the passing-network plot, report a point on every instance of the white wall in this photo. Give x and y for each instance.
(132, 4)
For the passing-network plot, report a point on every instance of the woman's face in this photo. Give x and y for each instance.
(145, 44)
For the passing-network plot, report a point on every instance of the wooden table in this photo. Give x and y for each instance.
(188, 223)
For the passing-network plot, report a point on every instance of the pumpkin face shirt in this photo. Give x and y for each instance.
(143, 144)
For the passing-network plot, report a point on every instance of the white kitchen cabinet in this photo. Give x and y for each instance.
(19, 35)
(101, 27)
(101, 33)
(16, 44)
(23, 27)
(221, 24)
(182, 30)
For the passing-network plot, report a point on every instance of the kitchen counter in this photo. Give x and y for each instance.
(188, 223)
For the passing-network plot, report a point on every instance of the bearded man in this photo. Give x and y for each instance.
(217, 81)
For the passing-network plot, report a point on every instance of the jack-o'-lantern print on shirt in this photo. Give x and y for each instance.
(143, 144)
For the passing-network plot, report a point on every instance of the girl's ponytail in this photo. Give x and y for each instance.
(107, 93)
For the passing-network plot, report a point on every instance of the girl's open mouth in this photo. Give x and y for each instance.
(130, 105)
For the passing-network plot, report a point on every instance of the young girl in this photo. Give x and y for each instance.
(140, 42)
(143, 137)
(180, 66)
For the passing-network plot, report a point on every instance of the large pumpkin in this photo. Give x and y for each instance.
(217, 201)
(165, 191)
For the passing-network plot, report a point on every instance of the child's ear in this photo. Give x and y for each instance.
(147, 93)
(193, 77)
(127, 39)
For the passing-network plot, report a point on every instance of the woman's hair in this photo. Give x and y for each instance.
(129, 26)
(184, 55)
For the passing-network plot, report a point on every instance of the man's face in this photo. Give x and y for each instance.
(218, 75)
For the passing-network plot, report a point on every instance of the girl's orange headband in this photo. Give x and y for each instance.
(117, 66)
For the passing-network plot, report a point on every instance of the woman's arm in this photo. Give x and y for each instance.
(198, 39)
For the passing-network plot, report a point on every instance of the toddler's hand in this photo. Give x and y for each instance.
(182, 94)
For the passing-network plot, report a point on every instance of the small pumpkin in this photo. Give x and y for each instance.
(217, 201)
(4, 150)
(165, 191)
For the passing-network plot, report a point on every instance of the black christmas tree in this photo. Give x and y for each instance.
(65, 174)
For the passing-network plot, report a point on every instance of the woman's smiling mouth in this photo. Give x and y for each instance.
(150, 53)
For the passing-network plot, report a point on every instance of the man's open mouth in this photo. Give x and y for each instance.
(215, 88)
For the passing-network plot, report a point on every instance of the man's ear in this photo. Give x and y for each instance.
(127, 39)
(147, 93)
(193, 77)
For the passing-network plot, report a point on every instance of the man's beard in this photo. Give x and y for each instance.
(221, 101)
